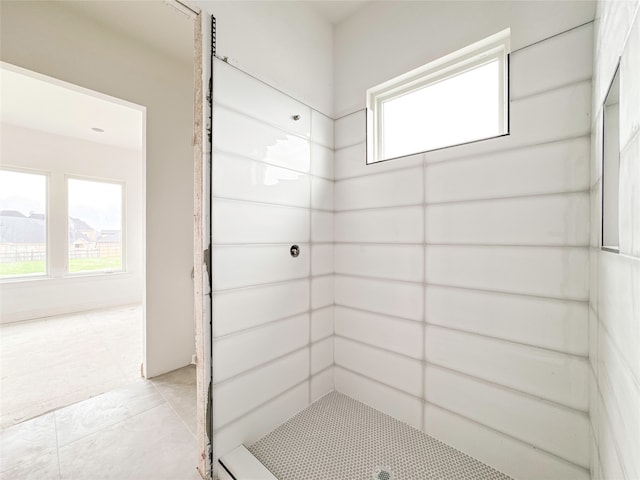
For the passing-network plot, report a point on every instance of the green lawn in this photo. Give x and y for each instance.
(75, 265)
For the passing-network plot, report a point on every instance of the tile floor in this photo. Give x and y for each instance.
(143, 431)
(85, 354)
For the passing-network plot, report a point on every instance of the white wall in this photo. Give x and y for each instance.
(285, 44)
(52, 39)
(59, 156)
(388, 38)
(461, 275)
(614, 301)
(272, 186)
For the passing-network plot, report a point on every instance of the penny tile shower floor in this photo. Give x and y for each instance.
(338, 437)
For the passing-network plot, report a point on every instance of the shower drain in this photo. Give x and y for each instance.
(382, 473)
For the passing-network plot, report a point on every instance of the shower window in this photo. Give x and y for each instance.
(460, 98)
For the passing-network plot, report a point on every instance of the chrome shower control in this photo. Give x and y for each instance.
(296, 117)
(294, 250)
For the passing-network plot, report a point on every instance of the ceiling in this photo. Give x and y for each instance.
(41, 103)
(335, 11)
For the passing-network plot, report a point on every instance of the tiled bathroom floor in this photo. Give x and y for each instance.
(53, 362)
(143, 431)
(339, 437)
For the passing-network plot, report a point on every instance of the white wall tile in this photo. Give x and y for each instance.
(235, 310)
(555, 376)
(243, 179)
(398, 335)
(542, 220)
(555, 115)
(621, 400)
(388, 225)
(629, 199)
(351, 162)
(619, 304)
(237, 134)
(550, 272)
(321, 355)
(400, 262)
(321, 259)
(241, 352)
(321, 161)
(321, 291)
(561, 166)
(239, 395)
(322, 323)
(558, 61)
(249, 265)
(321, 129)
(261, 421)
(386, 399)
(548, 323)
(557, 430)
(322, 193)
(386, 367)
(236, 222)
(349, 129)
(516, 459)
(397, 299)
(321, 384)
(629, 90)
(321, 226)
(403, 187)
(250, 96)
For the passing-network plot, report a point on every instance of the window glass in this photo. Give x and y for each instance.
(95, 226)
(23, 224)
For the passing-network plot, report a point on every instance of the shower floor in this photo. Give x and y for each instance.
(338, 437)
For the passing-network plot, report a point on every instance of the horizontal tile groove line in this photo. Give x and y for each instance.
(271, 361)
(559, 193)
(382, 349)
(488, 382)
(632, 373)
(385, 315)
(381, 244)
(260, 405)
(321, 339)
(236, 333)
(379, 279)
(499, 386)
(488, 290)
(630, 140)
(525, 146)
(424, 402)
(229, 153)
(281, 282)
(552, 89)
(523, 442)
(562, 246)
(508, 340)
(384, 172)
(235, 67)
(270, 204)
(271, 399)
(348, 114)
(301, 242)
(382, 207)
(226, 106)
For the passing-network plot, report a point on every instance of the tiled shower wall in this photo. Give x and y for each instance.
(614, 312)
(461, 275)
(272, 187)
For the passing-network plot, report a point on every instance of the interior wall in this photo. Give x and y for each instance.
(614, 299)
(272, 187)
(285, 44)
(53, 39)
(59, 156)
(461, 275)
(387, 38)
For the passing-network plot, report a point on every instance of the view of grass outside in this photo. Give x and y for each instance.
(75, 265)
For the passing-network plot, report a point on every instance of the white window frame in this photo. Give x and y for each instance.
(47, 234)
(495, 47)
(123, 223)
